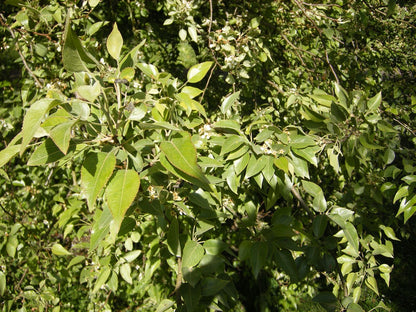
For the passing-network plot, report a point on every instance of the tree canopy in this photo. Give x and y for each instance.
(207, 155)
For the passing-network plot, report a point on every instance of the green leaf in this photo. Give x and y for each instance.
(374, 102)
(45, 153)
(258, 257)
(228, 101)
(115, 42)
(214, 246)
(241, 163)
(191, 91)
(319, 225)
(233, 180)
(285, 260)
(120, 193)
(282, 163)
(338, 113)
(255, 166)
(192, 254)
(61, 135)
(354, 307)
(181, 153)
(232, 143)
(149, 70)
(193, 33)
(2, 283)
(211, 286)
(125, 272)
(323, 99)
(173, 238)
(95, 172)
(11, 246)
(307, 154)
(301, 141)
(197, 72)
(75, 261)
(88, 92)
(367, 142)
(389, 232)
(371, 282)
(164, 305)
(59, 250)
(32, 120)
(8, 153)
(342, 95)
(74, 56)
(333, 160)
(351, 235)
(102, 278)
(325, 297)
(228, 126)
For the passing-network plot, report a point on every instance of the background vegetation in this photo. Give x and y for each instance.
(207, 155)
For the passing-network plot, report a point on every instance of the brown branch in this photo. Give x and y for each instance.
(296, 48)
(301, 201)
(405, 126)
(37, 81)
(330, 66)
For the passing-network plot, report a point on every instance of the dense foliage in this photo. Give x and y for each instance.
(207, 155)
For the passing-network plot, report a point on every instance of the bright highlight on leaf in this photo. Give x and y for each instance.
(115, 43)
(197, 72)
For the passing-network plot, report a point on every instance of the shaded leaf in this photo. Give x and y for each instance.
(74, 56)
(192, 254)
(61, 135)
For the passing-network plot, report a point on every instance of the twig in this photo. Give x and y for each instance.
(330, 66)
(294, 47)
(8, 213)
(405, 126)
(273, 84)
(301, 201)
(209, 32)
(206, 85)
(37, 81)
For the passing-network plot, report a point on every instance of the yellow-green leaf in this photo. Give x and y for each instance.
(115, 43)
(32, 120)
(197, 72)
(59, 250)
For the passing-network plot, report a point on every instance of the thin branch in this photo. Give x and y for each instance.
(8, 213)
(273, 84)
(211, 13)
(37, 81)
(330, 66)
(405, 126)
(208, 80)
(294, 47)
(301, 201)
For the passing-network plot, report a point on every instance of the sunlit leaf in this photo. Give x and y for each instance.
(197, 72)
(95, 172)
(115, 42)
(120, 193)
